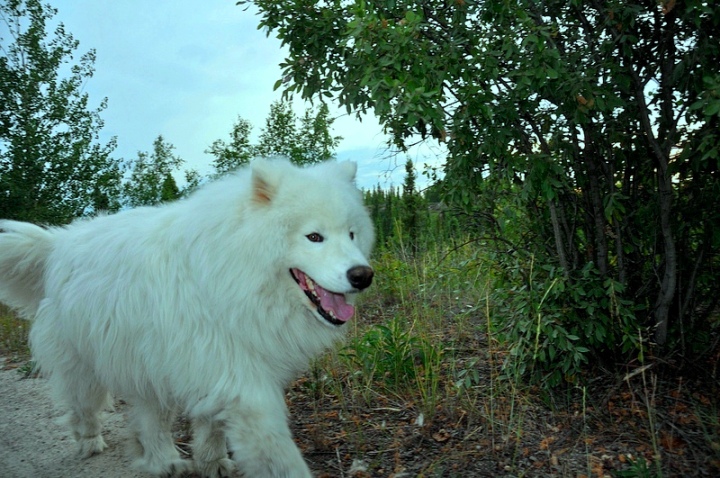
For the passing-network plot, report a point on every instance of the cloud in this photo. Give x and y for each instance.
(186, 70)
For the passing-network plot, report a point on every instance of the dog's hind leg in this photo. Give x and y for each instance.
(152, 425)
(74, 387)
(86, 399)
(209, 448)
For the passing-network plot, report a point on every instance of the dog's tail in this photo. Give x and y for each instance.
(24, 249)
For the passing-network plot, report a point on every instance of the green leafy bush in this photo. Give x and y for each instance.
(555, 325)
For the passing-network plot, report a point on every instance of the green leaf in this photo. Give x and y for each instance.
(713, 108)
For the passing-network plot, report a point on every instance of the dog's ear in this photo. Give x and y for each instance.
(347, 170)
(265, 180)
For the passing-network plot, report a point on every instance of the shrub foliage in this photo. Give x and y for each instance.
(582, 143)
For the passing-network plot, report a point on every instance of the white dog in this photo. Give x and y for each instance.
(209, 305)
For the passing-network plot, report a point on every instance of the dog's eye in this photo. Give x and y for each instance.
(352, 236)
(315, 237)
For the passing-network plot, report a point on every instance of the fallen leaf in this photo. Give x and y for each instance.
(670, 442)
(441, 436)
(545, 443)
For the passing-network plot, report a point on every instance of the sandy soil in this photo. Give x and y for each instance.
(34, 445)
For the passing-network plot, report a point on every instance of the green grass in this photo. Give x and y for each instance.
(426, 347)
(13, 336)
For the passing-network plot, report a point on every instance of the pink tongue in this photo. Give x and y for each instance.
(335, 303)
(329, 301)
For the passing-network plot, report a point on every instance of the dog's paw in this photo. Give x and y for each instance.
(220, 468)
(178, 469)
(169, 469)
(89, 446)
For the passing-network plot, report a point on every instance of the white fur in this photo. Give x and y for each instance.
(191, 306)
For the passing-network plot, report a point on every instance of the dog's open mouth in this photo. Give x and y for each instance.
(330, 305)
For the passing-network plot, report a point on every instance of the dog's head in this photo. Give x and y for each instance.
(329, 234)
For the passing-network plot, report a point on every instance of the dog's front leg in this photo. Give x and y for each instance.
(209, 449)
(261, 443)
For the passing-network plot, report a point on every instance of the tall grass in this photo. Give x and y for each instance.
(430, 343)
(426, 339)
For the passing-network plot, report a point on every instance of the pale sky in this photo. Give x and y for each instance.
(186, 69)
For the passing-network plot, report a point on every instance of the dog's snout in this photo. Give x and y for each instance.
(360, 277)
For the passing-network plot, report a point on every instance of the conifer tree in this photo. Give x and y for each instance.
(410, 208)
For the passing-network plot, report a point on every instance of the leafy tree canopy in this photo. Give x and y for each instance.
(151, 180)
(233, 154)
(52, 167)
(304, 140)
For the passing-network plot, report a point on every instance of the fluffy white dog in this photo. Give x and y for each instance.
(209, 305)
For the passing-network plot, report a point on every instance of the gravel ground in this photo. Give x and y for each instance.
(34, 445)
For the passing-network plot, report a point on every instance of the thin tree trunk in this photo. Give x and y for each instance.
(622, 274)
(598, 215)
(661, 147)
(692, 281)
(559, 243)
(667, 287)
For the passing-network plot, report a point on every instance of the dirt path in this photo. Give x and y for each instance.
(34, 445)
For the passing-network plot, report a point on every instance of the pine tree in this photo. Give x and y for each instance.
(170, 190)
(410, 208)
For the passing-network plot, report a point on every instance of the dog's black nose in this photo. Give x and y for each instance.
(360, 277)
